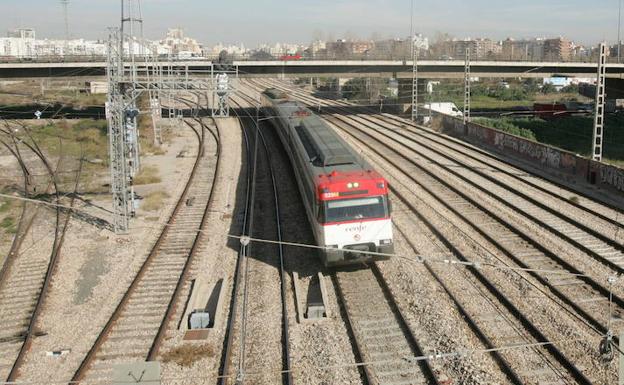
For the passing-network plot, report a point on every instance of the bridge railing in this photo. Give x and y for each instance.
(372, 56)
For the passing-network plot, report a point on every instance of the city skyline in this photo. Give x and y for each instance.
(303, 22)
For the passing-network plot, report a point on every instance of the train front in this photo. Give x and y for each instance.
(354, 217)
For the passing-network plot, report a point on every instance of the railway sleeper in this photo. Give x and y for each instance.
(128, 335)
(383, 342)
(140, 324)
(24, 285)
(154, 296)
(402, 353)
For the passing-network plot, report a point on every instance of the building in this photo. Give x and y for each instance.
(343, 49)
(177, 44)
(558, 49)
(22, 33)
(22, 43)
(478, 48)
(401, 48)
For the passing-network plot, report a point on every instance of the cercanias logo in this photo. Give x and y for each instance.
(358, 228)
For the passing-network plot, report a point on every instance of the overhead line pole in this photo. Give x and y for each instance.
(414, 52)
(467, 88)
(619, 31)
(65, 4)
(597, 140)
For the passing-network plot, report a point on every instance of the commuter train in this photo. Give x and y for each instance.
(346, 200)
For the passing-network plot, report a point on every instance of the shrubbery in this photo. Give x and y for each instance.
(506, 125)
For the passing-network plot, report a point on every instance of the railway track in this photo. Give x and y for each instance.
(257, 345)
(548, 189)
(597, 238)
(30, 275)
(139, 323)
(490, 312)
(539, 370)
(382, 337)
(27, 215)
(524, 249)
(585, 295)
(562, 281)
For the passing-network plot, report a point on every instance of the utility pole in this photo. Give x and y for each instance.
(414, 83)
(597, 141)
(414, 52)
(116, 115)
(65, 4)
(467, 88)
(619, 31)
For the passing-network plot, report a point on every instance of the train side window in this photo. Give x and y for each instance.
(321, 212)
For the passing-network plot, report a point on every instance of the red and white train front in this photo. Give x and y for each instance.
(353, 216)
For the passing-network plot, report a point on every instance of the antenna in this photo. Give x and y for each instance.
(65, 4)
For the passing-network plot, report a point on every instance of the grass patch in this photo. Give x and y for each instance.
(186, 355)
(147, 175)
(574, 199)
(73, 137)
(26, 92)
(9, 225)
(5, 205)
(154, 200)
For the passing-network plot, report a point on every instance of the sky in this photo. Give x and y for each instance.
(300, 21)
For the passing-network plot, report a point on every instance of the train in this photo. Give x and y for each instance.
(345, 199)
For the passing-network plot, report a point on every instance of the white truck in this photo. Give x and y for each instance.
(444, 108)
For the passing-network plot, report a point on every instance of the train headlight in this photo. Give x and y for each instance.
(356, 185)
(385, 242)
(381, 185)
(349, 185)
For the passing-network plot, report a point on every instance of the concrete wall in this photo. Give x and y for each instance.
(563, 164)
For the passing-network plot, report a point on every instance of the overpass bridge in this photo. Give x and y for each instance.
(428, 69)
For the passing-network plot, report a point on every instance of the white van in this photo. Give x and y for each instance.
(445, 108)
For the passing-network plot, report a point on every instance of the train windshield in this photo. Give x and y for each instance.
(353, 209)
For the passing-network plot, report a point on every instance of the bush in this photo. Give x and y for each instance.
(512, 93)
(506, 125)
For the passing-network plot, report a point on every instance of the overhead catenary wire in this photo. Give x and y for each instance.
(433, 356)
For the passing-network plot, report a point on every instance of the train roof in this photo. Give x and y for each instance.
(326, 147)
(274, 93)
(328, 152)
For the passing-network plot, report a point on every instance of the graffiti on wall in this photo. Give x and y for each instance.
(543, 154)
(539, 153)
(612, 176)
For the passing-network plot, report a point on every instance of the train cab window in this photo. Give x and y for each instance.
(354, 209)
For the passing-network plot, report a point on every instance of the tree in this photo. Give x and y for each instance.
(548, 88)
